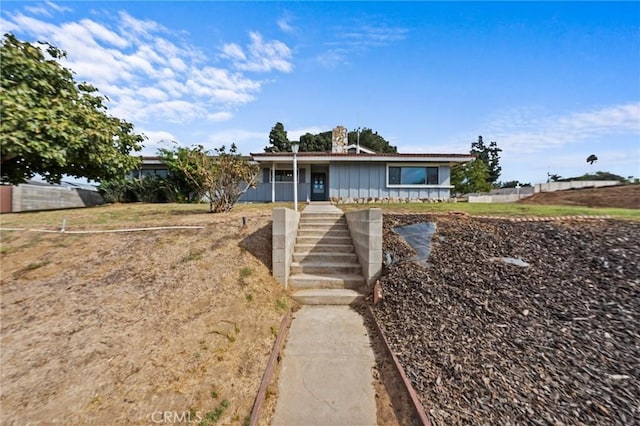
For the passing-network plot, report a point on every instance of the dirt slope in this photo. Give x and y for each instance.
(623, 196)
(124, 328)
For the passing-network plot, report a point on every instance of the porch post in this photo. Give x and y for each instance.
(273, 182)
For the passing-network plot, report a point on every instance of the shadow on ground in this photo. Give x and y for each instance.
(259, 244)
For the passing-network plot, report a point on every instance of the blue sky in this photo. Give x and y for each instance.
(550, 82)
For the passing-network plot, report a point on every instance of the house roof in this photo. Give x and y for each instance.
(385, 157)
(324, 157)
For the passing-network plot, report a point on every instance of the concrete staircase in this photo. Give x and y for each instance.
(325, 268)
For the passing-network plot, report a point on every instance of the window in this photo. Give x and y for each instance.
(282, 175)
(413, 175)
(142, 173)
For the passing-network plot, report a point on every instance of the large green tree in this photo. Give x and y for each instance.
(321, 142)
(278, 140)
(470, 177)
(490, 156)
(51, 125)
(372, 140)
(221, 176)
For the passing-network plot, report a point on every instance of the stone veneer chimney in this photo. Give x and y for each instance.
(339, 140)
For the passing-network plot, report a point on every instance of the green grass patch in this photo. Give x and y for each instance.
(36, 265)
(282, 304)
(194, 255)
(212, 417)
(506, 209)
(30, 267)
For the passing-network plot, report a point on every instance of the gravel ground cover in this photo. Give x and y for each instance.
(488, 342)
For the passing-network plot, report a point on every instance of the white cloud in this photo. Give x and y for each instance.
(57, 7)
(157, 139)
(152, 94)
(234, 52)
(527, 131)
(46, 9)
(261, 56)
(129, 24)
(38, 10)
(102, 33)
(285, 25)
(176, 111)
(357, 38)
(151, 73)
(220, 116)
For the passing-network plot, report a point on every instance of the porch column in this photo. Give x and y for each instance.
(273, 182)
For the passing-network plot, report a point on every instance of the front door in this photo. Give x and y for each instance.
(318, 187)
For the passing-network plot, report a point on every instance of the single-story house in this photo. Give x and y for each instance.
(347, 173)
(350, 173)
(324, 176)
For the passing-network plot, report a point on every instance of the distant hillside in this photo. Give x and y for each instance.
(621, 196)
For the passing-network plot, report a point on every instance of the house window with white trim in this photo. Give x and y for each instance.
(282, 175)
(412, 175)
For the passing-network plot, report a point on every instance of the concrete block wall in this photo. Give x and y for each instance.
(27, 197)
(511, 198)
(285, 231)
(365, 227)
(573, 184)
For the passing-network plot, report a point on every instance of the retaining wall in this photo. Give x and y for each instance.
(365, 227)
(512, 198)
(27, 197)
(573, 184)
(285, 231)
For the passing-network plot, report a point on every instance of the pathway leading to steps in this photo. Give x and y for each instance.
(326, 377)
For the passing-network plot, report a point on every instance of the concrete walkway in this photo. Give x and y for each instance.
(326, 376)
(321, 207)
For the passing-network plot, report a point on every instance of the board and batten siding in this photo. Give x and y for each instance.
(369, 180)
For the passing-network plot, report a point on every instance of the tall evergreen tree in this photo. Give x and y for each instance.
(278, 140)
(490, 156)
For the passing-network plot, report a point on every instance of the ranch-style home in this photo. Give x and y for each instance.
(346, 174)
(349, 173)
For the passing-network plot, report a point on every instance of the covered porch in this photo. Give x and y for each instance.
(275, 182)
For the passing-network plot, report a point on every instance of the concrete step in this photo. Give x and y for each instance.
(321, 239)
(327, 296)
(324, 225)
(324, 257)
(324, 248)
(309, 281)
(322, 217)
(321, 268)
(322, 232)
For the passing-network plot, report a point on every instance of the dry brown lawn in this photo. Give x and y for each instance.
(132, 327)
